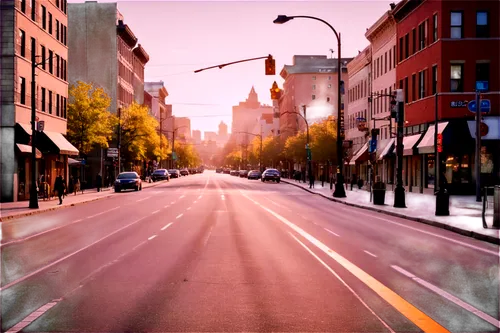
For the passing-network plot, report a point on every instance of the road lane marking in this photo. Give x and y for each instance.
(182, 196)
(143, 199)
(189, 208)
(495, 322)
(67, 256)
(342, 281)
(497, 253)
(332, 232)
(31, 317)
(166, 206)
(104, 212)
(278, 205)
(165, 227)
(133, 249)
(367, 252)
(419, 318)
(179, 216)
(208, 236)
(156, 211)
(201, 196)
(195, 201)
(172, 202)
(40, 233)
(152, 237)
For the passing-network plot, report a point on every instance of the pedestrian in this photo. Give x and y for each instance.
(76, 182)
(59, 188)
(311, 180)
(98, 182)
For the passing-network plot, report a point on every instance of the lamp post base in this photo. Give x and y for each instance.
(33, 199)
(442, 203)
(399, 197)
(339, 187)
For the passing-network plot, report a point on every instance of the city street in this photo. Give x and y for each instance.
(212, 252)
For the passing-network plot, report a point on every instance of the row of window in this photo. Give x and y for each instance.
(457, 24)
(329, 86)
(384, 63)
(48, 101)
(124, 97)
(359, 91)
(60, 31)
(381, 103)
(313, 97)
(329, 77)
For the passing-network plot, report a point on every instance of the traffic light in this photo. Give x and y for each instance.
(270, 66)
(275, 91)
(342, 87)
(394, 105)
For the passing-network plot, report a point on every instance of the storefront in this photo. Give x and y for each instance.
(412, 171)
(386, 160)
(358, 164)
(24, 153)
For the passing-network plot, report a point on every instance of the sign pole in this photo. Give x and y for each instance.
(478, 146)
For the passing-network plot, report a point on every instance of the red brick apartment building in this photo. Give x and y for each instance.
(443, 48)
(33, 31)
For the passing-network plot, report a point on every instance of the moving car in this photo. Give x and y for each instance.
(128, 181)
(271, 174)
(174, 173)
(160, 174)
(254, 174)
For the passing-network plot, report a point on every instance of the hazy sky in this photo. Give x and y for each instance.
(182, 36)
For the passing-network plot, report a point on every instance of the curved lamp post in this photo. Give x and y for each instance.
(260, 152)
(309, 162)
(339, 186)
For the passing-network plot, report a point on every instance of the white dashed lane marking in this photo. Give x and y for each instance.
(332, 232)
(179, 216)
(152, 237)
(165, 227)
(370, 253)
(143, 199)
(189, 208)
(31, 317)
(156, 211)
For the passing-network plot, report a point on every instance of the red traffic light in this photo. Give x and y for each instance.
(270, 66)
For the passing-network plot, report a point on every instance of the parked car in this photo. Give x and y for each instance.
(160, 174)
(174, 173)
(235, 173)
(218, 170)
(271, 174)
(128, 181)
(184, 172)
(254, 174)
(227, 171)
(243, 173)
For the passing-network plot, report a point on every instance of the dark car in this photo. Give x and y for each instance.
(227, 171)
(218, 170)
(235, 173)
(174, 173)
(271, 174)
(128, 181)
(160, 174)
(243, 173)
(184, 172)
(254, 174)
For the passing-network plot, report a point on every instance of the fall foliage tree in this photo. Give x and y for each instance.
(187, 156)
(90, 123)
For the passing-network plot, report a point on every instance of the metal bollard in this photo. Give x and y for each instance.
(496, 207)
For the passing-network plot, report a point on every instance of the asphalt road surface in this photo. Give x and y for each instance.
(213, 252)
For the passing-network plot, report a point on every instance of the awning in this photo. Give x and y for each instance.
(386, 147)
(493, 124)
(25, 149)
(72, 161)
(409, 143)
(64, 146)
(358, 154)
(26, 128)
(426, 146)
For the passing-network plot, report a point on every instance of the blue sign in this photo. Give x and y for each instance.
(482, 86)
(485, 106)
(372, 147)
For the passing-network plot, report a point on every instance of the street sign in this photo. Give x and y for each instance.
(372, 146)
(485, 106)
(484, 129)
(41, 125)
(112, 152)
(174, 156)
(482, 86)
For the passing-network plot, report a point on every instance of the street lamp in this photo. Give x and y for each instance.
(308, 158)
(173, 140)
(339, 186)
(260, 152)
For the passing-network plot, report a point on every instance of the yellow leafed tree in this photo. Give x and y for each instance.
(90, 123)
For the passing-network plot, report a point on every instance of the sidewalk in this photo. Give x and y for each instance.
(13, 210)
(465, 213)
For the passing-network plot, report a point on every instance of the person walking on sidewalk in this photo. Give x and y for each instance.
(98, 182)
(311, 180)
(59, 187)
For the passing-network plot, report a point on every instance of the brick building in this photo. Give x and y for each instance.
(443, 48)
(33, 31)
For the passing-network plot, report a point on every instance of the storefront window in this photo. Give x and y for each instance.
(431, 176)
(486, 161)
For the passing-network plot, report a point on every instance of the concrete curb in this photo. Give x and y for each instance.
(44, 210)
(457, 230)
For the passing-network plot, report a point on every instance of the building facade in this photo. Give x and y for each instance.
(440, 57)
(112, 60)
(33, 32)
(196, 136)
(311, 81)
(210, 136)
(182, 128)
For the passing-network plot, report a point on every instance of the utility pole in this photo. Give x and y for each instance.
(119, 139)
(478, 146)
(33, 193)
(399, 192)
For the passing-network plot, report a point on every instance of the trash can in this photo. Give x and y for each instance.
(442, 203)
(379, 196)
(496, 207)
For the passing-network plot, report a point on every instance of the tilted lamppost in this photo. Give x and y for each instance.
(339, 186)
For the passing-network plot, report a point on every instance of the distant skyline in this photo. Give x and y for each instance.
(182, 36)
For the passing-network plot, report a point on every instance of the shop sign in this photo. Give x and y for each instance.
(112, 152)
(459, 104)
(483, 129)
(440, 143)
(361, 122)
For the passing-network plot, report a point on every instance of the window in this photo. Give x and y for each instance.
(414, 40)
(50, 102)
(57, 3)
(33, 10)
(44, 57)
(435, 28)
(314, 77)
(57, 105)
(421, 81)
(50, 23)
(44, 18)
(57, 29)
(33, 49)
(43, 100)
(23, 6)
(483, 72)
(457, 79)
(65, 107)
(390, 59)
(394, 56)
(328, 99)
(385, 63)
(51, 62)
(58, 66)
(457, 28)
(407, 45)
(401, 49)
(406, 90)
(65, 39)
(434, 79)
(313, 97)
(413, 87)
(421, 36)
(314, 87)
(22, 90)
(482, 25)
(22, 42)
